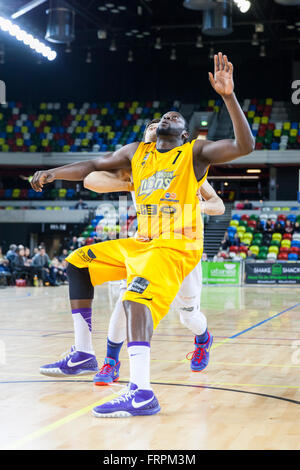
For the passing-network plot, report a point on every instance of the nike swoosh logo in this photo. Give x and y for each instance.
(140, 404)
(73, 364)
(145, 298)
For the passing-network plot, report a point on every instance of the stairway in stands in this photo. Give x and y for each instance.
(214, 231)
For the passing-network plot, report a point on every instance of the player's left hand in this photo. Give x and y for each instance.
(222, 80)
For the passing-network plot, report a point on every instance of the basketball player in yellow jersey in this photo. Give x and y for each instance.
(187, 300)
(166, 249)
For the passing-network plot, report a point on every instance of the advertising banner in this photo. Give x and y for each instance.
(221, 273)
(272, 273)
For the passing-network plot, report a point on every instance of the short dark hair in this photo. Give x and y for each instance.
(153, 121)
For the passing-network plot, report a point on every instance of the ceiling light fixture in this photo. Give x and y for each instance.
(27, 39)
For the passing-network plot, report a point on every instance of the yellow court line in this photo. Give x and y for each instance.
(51, 427)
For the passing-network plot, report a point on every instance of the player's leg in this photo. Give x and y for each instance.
(188, 303)
(153, 282)
(88, 266)
(109, 372)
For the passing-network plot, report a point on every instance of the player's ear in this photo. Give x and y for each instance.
(185, 135)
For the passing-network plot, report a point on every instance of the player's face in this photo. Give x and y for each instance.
(150, 135)
(171, 123)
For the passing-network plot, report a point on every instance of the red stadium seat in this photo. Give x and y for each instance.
(282, 256)
(287, 236)
(245, 217)
(234, 249)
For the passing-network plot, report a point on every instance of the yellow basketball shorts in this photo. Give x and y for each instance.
(154, 274)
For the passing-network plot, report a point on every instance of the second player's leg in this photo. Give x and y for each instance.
(188, 303)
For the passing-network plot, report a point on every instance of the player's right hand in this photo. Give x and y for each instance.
(40, 178)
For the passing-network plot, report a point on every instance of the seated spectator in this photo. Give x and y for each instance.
(297, 227)
(225, 243)
(5, 273)
(73, 244)
(204, 257)
(63, 255)
(3, 260)
(81, 205)
(250, 255)
(289, 228)
(57, 273)
(278, 227)
(220, 256)
(236, 241)
(28, 259)
(41, 262)
(269, 226)
(19, 270)
(11, 254)
(248, 205)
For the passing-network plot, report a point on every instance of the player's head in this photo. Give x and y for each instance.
(174, 124)
(150, 131)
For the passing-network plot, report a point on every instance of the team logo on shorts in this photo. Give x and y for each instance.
(138, 285)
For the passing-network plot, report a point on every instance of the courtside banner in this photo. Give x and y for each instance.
(221, 272)
(272, 273)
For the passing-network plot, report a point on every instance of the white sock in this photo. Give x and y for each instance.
(194, 320)
(117, 323)
(83, 334)
(139, 361)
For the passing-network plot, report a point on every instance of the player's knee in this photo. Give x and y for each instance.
(80, 285)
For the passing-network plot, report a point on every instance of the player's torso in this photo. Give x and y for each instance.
(165, 190)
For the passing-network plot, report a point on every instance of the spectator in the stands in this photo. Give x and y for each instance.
(28, 259)
(73, 244)
(220, 256)
(248, 205)
(204, 257)
(81, 205)
(236, 241)
(63, 255)
(3, 260)
(41, 262)
(289, 228)
(19, 270)
(269, 226)
(11, 254)
(250, 255)
(278, 227)
(225, 243)
(297, 227)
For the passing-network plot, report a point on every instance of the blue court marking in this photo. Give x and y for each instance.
(16, 297)
(264, 321)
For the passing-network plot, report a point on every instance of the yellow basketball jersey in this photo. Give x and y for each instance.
(168, 209)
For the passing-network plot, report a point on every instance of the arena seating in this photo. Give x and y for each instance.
(254, 238)
(270, 135)
(54, 127)
(76, 127)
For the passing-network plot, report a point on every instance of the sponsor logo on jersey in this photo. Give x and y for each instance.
(160, 180)
(89, 256)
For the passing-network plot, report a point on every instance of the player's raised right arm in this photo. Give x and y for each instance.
(78, 171)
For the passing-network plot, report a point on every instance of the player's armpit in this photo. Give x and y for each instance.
(108, 181)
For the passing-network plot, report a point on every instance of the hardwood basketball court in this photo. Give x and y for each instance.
(247, 398)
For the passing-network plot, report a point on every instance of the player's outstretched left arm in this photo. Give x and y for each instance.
(212, 203)
(226, 150)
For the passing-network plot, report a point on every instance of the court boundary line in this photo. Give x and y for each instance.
(44, 430)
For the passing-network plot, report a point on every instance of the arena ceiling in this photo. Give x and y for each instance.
(136, 24)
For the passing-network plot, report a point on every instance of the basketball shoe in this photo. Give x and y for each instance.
(200, 356)
(108, 373)
(132, 403)
(74, 363)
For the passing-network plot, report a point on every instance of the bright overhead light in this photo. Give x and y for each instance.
(253, 170)
(130, 56)
(243, 5)
(27, 39)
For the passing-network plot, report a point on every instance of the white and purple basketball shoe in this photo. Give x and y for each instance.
(75, 363)
(132, 403)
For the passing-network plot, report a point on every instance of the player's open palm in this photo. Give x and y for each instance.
(222, 80)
